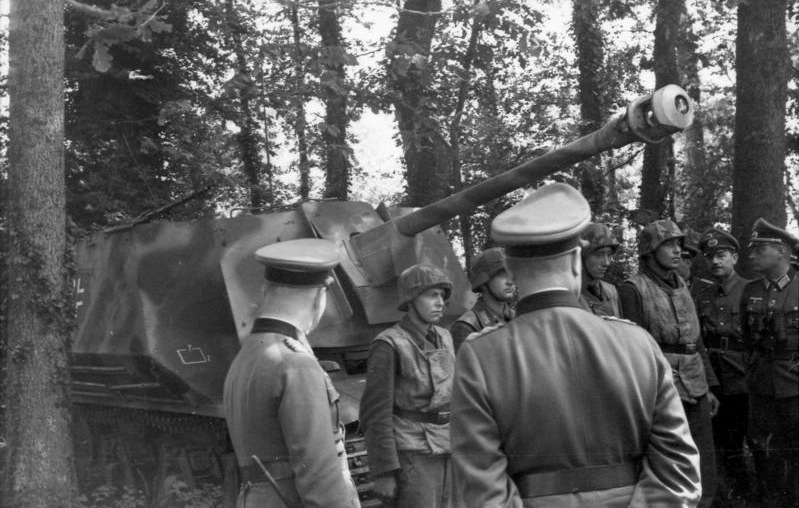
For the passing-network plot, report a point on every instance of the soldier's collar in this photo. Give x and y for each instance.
(780, 283)
(547, 299)
(270, 325)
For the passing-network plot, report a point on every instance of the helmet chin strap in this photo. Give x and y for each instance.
(412, 305)
(500, 299)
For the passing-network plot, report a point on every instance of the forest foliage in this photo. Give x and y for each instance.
(230, 102)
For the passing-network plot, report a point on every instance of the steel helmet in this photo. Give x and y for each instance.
(655, 233)
(417, 279)
(486, 265)
(597, 236)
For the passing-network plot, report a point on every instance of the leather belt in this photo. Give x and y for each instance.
(678, 349)
(253, 474)
(439, 418)
(571, 481)
(726, 343)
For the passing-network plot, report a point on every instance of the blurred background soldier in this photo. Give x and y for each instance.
(770, 320)
(280, 405)
(495, 288)
(718, 304)
(598, 296)
(690, 260)
(405, 406)
(561, 407)
(657, 299)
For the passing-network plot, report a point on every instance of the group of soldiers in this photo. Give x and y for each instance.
(541, 394)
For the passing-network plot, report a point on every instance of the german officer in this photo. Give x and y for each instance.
(561, 407)
(658, 299)
(598, 296)
(770, 320)
(280, 406)
(405, 406)
(718, 304)
(495, 289)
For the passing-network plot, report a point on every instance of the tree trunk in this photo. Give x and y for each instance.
(37, 467)
(657, 178)
(590, 59)
(247, 137)
(762, 65)
(455, 135)
(701, 194)
(427, 163)
(299, 106)
(335, 91)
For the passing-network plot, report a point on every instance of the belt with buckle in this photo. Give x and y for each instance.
(439, 418)
(678, 349)
(571, 481)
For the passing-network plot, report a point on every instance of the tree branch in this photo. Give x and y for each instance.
(91, 10)
(626, 161)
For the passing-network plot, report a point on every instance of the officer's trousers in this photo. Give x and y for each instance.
(699, 421)
(729, 433)
(425, 481)
(774, 430)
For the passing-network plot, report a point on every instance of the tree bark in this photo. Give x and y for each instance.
(589, 42)
(427, 154)
(247, 137)
(299, 106)
(657, 178)
(701, 192)
(334, 94)
(762, 65)
(455, 135)
(37, 467)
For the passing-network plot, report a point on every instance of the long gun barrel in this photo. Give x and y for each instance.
(381, 253)
(651, 118)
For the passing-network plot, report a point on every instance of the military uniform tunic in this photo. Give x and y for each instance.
(584, 405)
(281, 406)
(718, 305)
(770, 321)
(479, 317)
(601, 298)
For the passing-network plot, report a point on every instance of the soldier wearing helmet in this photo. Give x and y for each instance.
(406, 403)
(690, 257)
(770, 323)
(598, 296)
(658, 299)
(495, 288)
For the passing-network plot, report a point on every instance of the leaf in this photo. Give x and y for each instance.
(158, 26)
(102, 59)
(117, 33)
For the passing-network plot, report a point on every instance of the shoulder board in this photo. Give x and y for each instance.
(296, 346)
(484, 331)
(618, 320)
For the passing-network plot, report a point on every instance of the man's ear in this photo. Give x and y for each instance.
(576, 263)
